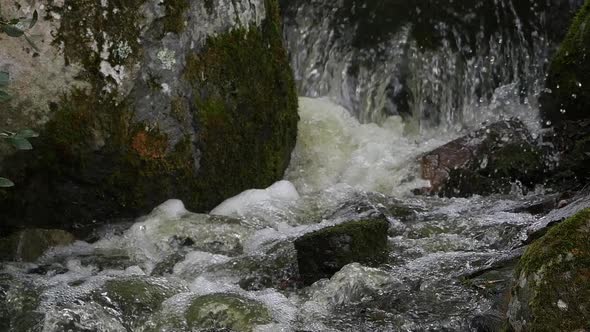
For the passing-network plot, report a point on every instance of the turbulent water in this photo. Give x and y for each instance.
(341, 170)
(236, 268)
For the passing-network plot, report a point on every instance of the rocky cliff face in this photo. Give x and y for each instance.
(139, 101)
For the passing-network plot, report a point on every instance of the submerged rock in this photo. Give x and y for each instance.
(139, 101)
(322, 253)
(135, 297)
(486, 161)
(226, 311)
(30, 244)
(552, 287)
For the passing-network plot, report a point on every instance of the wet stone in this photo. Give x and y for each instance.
(322, 253)
(30, 244)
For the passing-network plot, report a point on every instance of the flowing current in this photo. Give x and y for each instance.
(239, 260)
(235, 269)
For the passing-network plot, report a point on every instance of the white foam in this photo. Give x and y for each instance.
(171, 209)
(239, 205)
(333, 147)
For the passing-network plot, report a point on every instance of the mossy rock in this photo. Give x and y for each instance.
(552, 287)
(106, 154)
(30, 244)
(135, 297)
(322, 253)
(567, 93)
(226, 312)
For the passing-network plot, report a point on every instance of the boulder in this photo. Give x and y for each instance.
(30, 244)
(139, 101)
(551, 291)
(565, 103)
(486, 161)
(322, 253)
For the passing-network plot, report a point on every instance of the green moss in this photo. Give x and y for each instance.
(174, 21)
(134, 297)
(569, 74)
(247, 107)
(322, 253)
(557, 268)
(225, 311)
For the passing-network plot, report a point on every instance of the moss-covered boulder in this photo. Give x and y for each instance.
(30, 244)
(187, 99)
(565, 103)
(485, 161)
(322, 253)
(552, 287)
(567, 93)
(226, 312)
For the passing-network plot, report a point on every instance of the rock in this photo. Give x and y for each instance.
(29, 244)
(567, 89)
(139, 101)
(322, 253)
(19, 299)
(486, 161)
(541, 226)
(552, 287)
(565, 102)
(226, 311)
(136, 297)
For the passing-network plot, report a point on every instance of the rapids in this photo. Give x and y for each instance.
(240, 263)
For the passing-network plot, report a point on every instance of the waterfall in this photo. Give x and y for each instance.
(437, 63)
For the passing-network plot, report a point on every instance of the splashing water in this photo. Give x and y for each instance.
(236, 268)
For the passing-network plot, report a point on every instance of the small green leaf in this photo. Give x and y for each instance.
(5, 183)
(4, 78)
(12, 31)
(27, 133)
(21, 143)
(34, 20)
(4, 96)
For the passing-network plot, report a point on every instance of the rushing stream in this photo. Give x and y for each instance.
(235, 269)
(241, 264)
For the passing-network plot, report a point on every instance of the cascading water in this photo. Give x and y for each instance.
(444, 63)
(236, 268)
